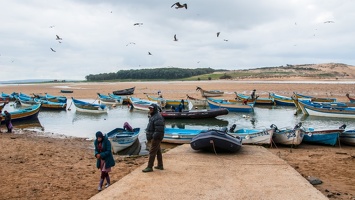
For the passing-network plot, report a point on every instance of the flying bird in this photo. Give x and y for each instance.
(130, 43)
(53, 50)
(328, 22)
(225, 40)
(178, 5)
(175, 39)
(149, 53)
(137, 24)
(51, 26)
(58, 38)
(218, 33)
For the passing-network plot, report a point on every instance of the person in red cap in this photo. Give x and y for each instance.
(155, 134)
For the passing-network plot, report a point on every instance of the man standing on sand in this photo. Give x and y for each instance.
(8, 121)
(155, 133)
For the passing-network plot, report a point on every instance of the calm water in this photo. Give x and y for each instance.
(77, 124)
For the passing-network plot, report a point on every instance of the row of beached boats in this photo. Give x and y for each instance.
(232, 139)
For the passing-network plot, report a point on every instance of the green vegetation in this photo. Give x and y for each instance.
(150, 74)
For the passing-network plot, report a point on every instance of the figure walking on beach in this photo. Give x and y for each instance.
(104, 156)
(8, 121)
(155, 134)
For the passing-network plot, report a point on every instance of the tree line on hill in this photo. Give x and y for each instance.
(157, 73)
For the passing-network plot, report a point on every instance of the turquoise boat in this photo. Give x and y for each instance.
(180, 136)
(281, 100)
(232, 106)
(325, 137)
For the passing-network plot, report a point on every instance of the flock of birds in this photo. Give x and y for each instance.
(177, 5)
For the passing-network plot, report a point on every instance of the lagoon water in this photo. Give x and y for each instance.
(76, 124)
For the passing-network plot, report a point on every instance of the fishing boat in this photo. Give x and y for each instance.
(179, 136)
(197, 102)
(216, 141)
(351, 99)
(26, 101)
(232, 106)
(121, 98)
(210, 93)
(348, 137)
(66, 91)
(8, 97)
(288, 136)
(281, 100)
(327, 109)
(105, 99)
(183, 123)
(49, 105)
(121, 138)
(326, 137)
(127, 91)
(258, 100)
(253, 136)
(83, 106)
(312, 98)
(52, 98)
(23, 113)
(194, 114)
(169, 103)
(141, 104)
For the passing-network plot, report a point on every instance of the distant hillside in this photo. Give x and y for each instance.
(311, 71)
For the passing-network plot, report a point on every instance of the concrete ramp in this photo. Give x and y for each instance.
(252, 173)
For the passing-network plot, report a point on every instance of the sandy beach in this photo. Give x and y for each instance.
(37, 167)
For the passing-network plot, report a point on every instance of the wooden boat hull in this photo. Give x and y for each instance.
(141, 104)
(293, 137)
(179, 136)
(282, 100)
(327, 137)
(195, 114)
(105, 99)
(254, 136)
(197, 102)
(24, 114)
(258, 101)
(348, 137)
(210, 93)
(128, 91)
(121, 139)
(167, 103)
(66, 91)
(86, 107)
(216, 141)
(232, 107)
(314, 99)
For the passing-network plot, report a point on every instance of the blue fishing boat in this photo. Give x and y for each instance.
(83, 106)
(232, 106)
(216, 141)
(194, 114)
(141, 104)
(327, 137)
(23, 113)
(327, 109)
(281, 100)
(105, 99)
(49, 105)
(179, 136)
(121, 138)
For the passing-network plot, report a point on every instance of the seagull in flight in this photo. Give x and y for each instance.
(178, 5)
(53, 50)
(130, 43)
(175, 39)
(149, 53)
(58, 38)
(51, 26)
(137, 24)
(328, 22)
(218, 33)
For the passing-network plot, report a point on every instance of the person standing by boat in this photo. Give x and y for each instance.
(253, 94)
(155, 134)
(104, 156)
(8, 121)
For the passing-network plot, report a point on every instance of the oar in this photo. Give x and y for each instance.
(70, 105)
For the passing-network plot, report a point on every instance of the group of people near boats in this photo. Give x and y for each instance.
(154, 134)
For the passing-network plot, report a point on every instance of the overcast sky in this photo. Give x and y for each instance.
(100, 36)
